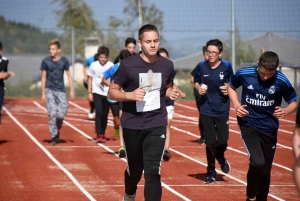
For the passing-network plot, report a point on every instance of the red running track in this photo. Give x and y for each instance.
(79, 169)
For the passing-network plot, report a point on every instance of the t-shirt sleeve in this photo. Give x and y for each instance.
(235, 80)
(6, 66)
(120, 76)
(298, 115)
(197, 74)
(90, 71)
(43, 66)
(289, 93)
(67, 65)
(193, 71)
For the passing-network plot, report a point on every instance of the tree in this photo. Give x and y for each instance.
(243, 51)
(150, 15)
(75, 14)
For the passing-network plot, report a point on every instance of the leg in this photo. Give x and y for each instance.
(153, 148)
(222, 138)
(1, 104)
(209, 132)
(133, 140)
(269, 148)
(51, 108)
(92, 108)
(170, 110)
(202, 138)
(62, 108)
(114, 107)
(296, 173)
(253, 147)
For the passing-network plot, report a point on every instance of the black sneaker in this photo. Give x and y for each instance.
(201, 140)
(211, 178)
(55, 140)
(248, 199)
(225, 166)
(166, 155)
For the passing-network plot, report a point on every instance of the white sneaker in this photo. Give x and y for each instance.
(127, 198)
(91, 115)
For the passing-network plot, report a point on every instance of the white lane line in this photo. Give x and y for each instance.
(112, 152)
(50, 156)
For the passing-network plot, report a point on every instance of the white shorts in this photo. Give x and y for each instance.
(170, 110)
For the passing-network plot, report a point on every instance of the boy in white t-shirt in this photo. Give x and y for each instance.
(98, 91)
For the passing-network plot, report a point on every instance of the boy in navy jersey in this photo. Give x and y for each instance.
(211, 78)
(146, 79)
(263, 88)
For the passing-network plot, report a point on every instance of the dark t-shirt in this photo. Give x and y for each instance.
(134, 72)
(55, 72)
(3, 67)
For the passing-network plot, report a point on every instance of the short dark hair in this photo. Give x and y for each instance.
(204, 48)
(130, 40)
(215, 42)
(124, 54)
(0, 45)
(145, 28)
(103, 50)
(163, 50)
(269, 60)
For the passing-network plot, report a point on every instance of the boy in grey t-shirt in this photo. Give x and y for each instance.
(53, 88)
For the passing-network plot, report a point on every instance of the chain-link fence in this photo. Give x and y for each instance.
(25, 46)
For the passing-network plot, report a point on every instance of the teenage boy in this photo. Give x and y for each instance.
(53, 88)
(116, 106)
(97, 92)
(263, 88)
(130, 44)
(146, 79)
(211, 78)
(3, 76)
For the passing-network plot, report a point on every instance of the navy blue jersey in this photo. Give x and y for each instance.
(3, 67)
(261, 97)
(214, 103)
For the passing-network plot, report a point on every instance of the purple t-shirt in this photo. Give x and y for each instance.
(133, 72)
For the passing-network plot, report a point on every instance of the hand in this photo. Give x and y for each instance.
(224, 89)
(43, 97)
(202, 90)
(174, 93)
(72, 94)
(241, 111)
(279, 112)
(91, 98)
(11, 74)
(136, 95)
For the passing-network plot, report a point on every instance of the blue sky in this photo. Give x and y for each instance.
(188, 20)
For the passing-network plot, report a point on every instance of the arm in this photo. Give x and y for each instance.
(181, 93)
(192, 79)
(171, 92)
(43, 82)
(115, 93)
(90, 95)
(239, 109)
(71, 84)
(281, 112)
(105, 81)
(85, 78)
(296, 141)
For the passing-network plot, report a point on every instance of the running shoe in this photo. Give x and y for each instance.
(201, 140)
(100, 138)
(166, 155)
(128, 197)
(211, 178)
(121, 152)
(225, 166)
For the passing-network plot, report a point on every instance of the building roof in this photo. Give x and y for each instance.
(286, 48)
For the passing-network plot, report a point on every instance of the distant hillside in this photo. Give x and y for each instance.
(24, 38)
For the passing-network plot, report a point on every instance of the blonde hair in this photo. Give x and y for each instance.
(54, 42)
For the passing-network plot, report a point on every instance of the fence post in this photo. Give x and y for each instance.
(73, 59)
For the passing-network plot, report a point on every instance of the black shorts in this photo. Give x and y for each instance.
(115, 108)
